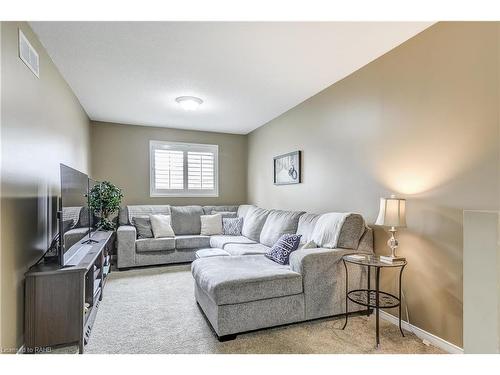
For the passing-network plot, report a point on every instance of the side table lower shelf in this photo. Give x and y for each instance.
(368, 298)
(372, 298)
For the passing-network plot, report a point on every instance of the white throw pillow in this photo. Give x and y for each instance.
(327, 229)
(162, 226)
(211, 224)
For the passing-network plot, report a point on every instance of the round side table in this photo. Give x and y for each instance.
(372, 298)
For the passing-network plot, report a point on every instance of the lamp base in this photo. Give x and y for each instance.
(393, 243)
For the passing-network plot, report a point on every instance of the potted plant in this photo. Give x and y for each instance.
(104, 200)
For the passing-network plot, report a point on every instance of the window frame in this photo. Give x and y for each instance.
(185, 147)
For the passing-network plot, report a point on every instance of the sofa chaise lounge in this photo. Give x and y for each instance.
(245, 291)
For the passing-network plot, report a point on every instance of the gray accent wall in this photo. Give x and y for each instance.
(421, 122)
(42, 125)
(120, 154)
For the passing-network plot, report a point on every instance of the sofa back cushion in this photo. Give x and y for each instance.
(207, 210)
(186, 219)
(130, 211)
(253, 221)
(226, 214)
(277, 224)
(306, 226)
(123, 216)
(338, 230)
(352, 231)
(83, 220)
(243, 209)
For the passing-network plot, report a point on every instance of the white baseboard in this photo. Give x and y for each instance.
(424, 335)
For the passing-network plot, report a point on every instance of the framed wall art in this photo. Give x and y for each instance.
(287, 168)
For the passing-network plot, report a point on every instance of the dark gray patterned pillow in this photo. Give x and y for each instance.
(232, 226)
(281, 250)
(143, 226)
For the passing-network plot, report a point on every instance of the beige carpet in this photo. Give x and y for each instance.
(152, 310)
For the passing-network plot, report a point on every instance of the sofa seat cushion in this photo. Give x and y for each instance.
(222, 240)
(230, 280)
(246, 249)
(192, 241)
(211, 252)
(154, 244)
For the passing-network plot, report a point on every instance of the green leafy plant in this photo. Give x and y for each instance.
(104, 200)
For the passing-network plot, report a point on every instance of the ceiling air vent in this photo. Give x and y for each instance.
(28, 54)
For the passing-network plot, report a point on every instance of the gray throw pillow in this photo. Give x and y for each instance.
(232, 226)
(143, 226)
(224, 214)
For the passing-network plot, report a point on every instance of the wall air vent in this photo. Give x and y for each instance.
(28, 54)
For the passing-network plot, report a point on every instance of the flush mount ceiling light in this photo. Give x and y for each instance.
(189, 103)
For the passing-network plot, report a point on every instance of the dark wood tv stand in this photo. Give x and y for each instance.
(61, 302)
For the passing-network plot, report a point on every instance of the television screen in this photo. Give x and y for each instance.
(75, 218)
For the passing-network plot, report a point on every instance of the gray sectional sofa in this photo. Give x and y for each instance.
(236, 286)
(133, 252)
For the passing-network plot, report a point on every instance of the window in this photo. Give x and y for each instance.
(183, 169)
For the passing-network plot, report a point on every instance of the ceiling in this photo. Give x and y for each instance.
(247, 73)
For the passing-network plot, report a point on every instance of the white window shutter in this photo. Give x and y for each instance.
(169, 169)
(201, 170)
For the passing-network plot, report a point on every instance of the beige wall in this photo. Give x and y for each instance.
(120, 154)
(421, 122)
(42, 125)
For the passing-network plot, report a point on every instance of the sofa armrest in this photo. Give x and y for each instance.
(366, 241)
(313, 262)
(126, 236)
(323, 278)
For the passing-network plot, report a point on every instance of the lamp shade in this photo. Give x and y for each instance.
(392, 212)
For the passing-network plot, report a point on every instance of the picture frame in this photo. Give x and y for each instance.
(287, 168)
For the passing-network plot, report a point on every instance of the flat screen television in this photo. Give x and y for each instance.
(74, 217)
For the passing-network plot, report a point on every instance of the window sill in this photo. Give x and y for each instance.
(183, 195)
